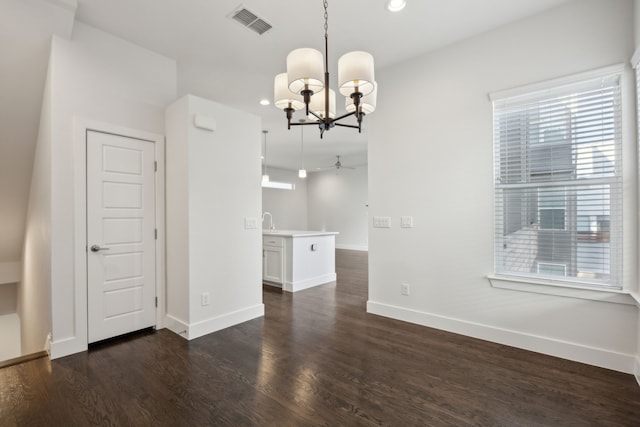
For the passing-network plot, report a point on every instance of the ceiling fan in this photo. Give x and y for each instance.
(337, 165)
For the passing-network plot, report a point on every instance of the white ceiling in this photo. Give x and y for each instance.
(223, 61)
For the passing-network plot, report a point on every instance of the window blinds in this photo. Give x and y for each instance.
(558, 182)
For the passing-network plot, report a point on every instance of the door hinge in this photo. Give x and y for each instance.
(156, 301)
(155, 233)
(155, 166)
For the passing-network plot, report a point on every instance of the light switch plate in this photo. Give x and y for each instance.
(406, 221)
(381, 222)
(250, 223)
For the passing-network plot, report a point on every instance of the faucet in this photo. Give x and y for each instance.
(272, 226)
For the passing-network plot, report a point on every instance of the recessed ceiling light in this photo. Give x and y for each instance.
(396, 5)
(264, 102)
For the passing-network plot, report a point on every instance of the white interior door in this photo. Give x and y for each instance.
(120, 235)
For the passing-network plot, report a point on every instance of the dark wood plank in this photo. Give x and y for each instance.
(316, 358)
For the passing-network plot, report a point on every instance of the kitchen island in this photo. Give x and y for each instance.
(298, 259)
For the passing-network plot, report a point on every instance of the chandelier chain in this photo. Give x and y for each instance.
(326, 19)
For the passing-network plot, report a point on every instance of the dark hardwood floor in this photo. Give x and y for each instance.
(316, 358)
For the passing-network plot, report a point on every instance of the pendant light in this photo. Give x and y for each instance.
(306, 85)
(302, 172)
(265, 176)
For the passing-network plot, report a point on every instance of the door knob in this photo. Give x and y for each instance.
(97, 248)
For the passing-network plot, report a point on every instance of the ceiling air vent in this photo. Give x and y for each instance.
(250, 20)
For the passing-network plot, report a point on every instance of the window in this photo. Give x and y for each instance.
(552, 269)
(558, 180)
(551, 209)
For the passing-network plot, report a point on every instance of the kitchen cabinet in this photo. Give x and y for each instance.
(297, 260)
(273, 260)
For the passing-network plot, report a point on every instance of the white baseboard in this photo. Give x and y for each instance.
(637, 370)
(177, 326)
(364, 248)
(563, 349)
(71, 345)
(204, 327)
(308, 283)
(66, 347)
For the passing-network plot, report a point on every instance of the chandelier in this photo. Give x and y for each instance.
(306, 85)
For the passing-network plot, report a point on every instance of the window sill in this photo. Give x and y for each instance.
(563, 290)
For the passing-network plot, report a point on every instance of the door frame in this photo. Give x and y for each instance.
(81, 127)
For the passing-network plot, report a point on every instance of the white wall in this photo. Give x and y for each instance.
(29, 205)
(25, 38)
(432, 159)
(637, 364)
(10, 272)
(8, 298)
(337, 201)
(636, 21)
(288, 207)
(177, 229)
(34, 292)
(10, 335)
(325, 201)
(213, 184)
(98, 77)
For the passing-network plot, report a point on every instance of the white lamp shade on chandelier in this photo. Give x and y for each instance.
(367, 103)
(305, 67)
(302, 173)
(306, 84)
(317, 104)
(355, 71)
(283, 97)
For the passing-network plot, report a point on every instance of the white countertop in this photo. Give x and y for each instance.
(297, 233)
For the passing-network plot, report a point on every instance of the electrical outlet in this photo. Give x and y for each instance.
(204, 298)
(404, 289)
